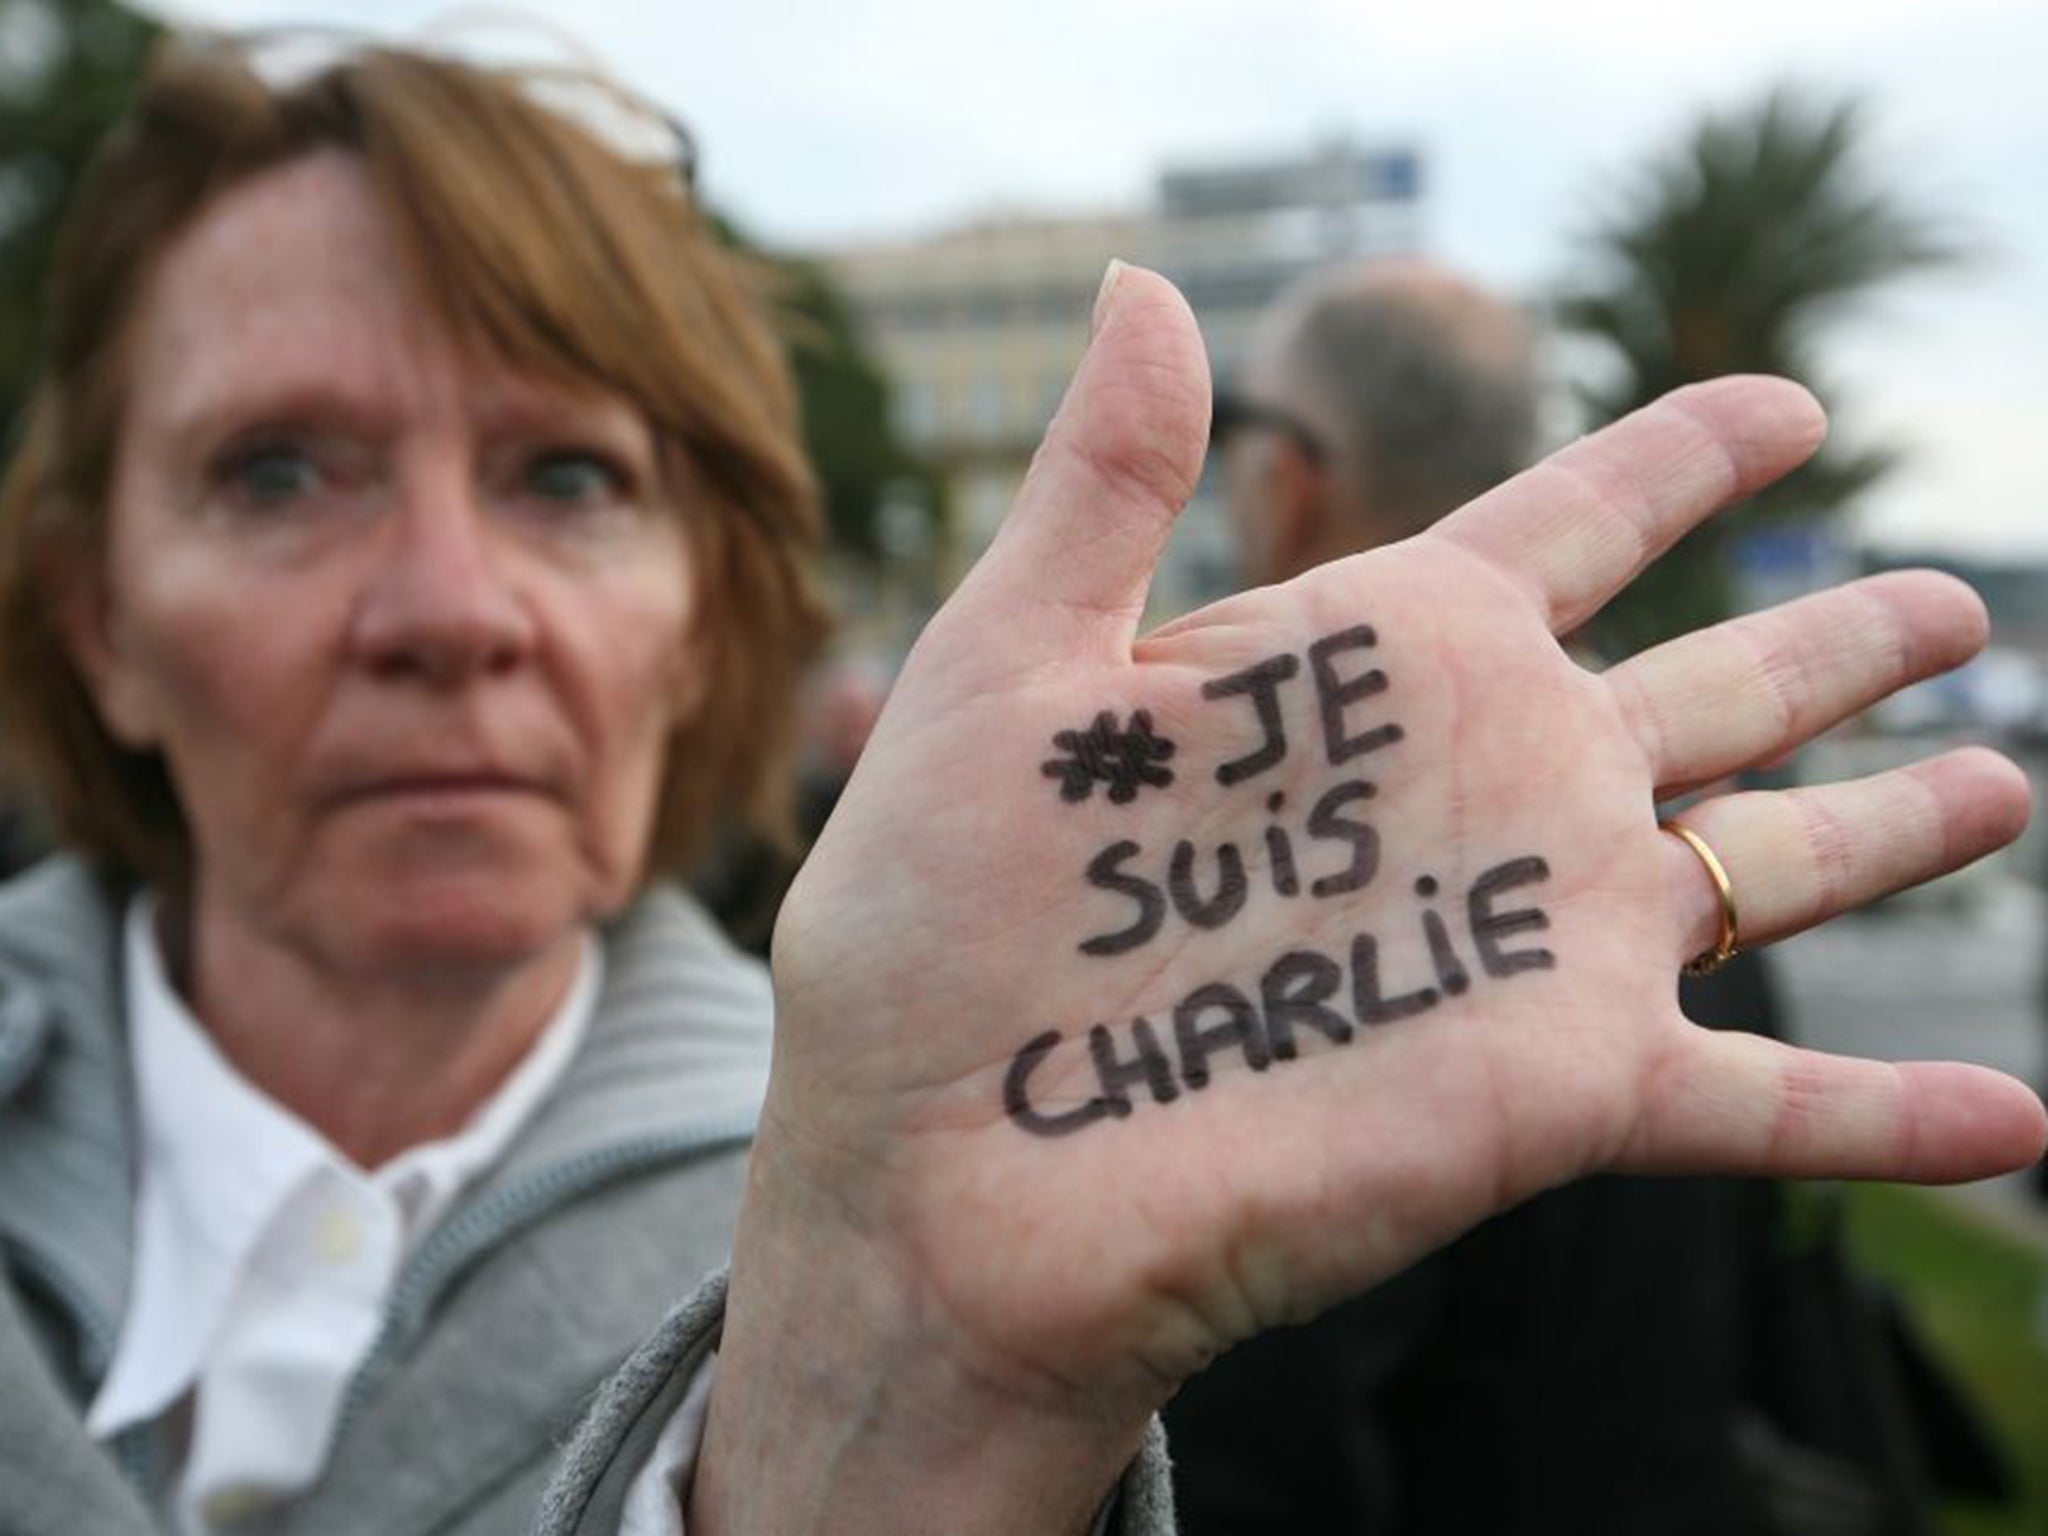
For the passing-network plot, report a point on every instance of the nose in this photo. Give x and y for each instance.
(440, 603)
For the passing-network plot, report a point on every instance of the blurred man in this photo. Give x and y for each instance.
(1377, 398)
(1578, 1365)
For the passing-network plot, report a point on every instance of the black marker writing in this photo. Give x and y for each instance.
(1368, 996)
(1490, 927)
(1301, 992)
(1296, 990)
(1148, 1064)
(1105, 873)
(1124, 760)
(1280, 851)
(1450, 971)
(1334, 694)
(1237, 1029)
(1326, 823)
(1188, 901)
(1185, 886)
(1017, 1095)
(1260, 684)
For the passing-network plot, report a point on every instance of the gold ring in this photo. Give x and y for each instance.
(1708, 961)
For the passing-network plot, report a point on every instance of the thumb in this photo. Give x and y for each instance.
(1070, 567)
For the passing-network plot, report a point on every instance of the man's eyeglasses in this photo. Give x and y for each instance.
(1234, 413)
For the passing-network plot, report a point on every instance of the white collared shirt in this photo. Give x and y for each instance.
(264, 1258)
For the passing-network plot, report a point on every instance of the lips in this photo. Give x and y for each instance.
(433, 758)
(451, 784)
(430, 783)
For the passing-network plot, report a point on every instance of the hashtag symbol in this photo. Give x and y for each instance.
(1124, 759)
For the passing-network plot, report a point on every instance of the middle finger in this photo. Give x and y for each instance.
(1745, 692)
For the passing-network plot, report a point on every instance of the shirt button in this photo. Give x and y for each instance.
(235, 1503)
(337, 1236)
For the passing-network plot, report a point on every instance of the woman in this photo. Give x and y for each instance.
(406, 561)
(404, 565)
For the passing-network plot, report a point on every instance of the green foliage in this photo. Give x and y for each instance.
(848, 430)
(1978, 1293)
(1734, 252)
(68, 69)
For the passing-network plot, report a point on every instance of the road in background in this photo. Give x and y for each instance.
(1949, 972)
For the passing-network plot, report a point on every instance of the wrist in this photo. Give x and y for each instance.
(849, 1400)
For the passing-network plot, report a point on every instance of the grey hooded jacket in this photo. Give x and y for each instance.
(530, 1340)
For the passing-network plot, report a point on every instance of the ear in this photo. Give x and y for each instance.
(92, 634)
(1298, 502)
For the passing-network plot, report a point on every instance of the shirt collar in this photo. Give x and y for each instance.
(220, 1160)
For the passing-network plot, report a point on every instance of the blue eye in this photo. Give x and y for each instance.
(572, 477)
(273, 476)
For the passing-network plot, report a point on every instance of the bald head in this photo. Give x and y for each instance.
(1420, 388)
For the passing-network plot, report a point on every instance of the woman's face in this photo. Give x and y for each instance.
(406, 625)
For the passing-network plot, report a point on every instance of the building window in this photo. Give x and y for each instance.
(1052, 389)
(986, 500)
(985, 407)
(917, 411)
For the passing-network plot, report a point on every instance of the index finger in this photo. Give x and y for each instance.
(1579, 526)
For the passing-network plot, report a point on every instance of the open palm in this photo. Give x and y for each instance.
(1146, 992)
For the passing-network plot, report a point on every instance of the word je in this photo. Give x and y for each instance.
(1297, 993)
(1260, 686)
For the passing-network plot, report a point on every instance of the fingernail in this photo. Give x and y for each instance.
(1111, 276)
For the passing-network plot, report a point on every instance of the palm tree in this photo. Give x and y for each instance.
(1732, 253)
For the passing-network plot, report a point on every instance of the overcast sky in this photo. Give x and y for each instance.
(819, 122)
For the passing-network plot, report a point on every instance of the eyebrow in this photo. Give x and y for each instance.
(522, 400)
(208, 420)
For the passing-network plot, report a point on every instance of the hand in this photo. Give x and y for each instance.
(1144, 993)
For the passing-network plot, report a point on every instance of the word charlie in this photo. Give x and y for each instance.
(1301, 991)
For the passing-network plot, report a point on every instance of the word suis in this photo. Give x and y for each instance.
(1209, 890)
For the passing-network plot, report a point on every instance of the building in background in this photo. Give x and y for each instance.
(979, 327)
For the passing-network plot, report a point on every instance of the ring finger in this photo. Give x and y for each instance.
(1797, 857)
